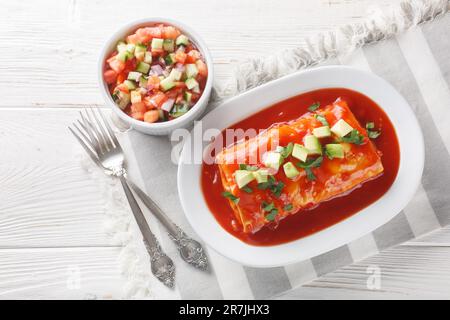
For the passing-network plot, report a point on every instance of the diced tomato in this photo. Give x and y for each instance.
(180, 84)
(170, 32)
(151, 116)
(202, 68)
(121, 78)
(158, 99)
(153, 83)
(116, 64)
(122, 87)
(157, 52)
(193, 56)
(180, 56)
(138, 107)
(138, 116)
(133, 39)
(153, 32)
(110, 76)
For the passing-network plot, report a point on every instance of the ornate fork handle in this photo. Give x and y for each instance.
(162, 266)
(190, 250)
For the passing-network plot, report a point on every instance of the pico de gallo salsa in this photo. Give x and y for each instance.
(156, 74)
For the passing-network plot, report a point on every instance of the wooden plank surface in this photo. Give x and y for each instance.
(51, 208)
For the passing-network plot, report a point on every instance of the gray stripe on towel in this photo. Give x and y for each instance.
(437, 35)
(332, 260)
(394, 232)
(160, 177)
(266, 282)
(388, 62)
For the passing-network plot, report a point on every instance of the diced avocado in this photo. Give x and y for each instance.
(143, 67)
(322, 132)
(139, 52)
(131, 47)
(182, 40)
(148, 57)
(187, 96)
(300, 152)
(313, 145)
(170, 59)
(157, 43)
(334, 150)
(341, 128)
(290, 170)
(134, 75)
(130, 84)
(261, 175)
(191, 83)
(169, 45)
(167, 84)
(191, 70)
(124, 55)
(135, 96)
(273, 160)
(243, 177)
(175, 74)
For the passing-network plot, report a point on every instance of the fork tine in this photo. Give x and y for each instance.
(86, 147)
(106, 138)
(110, 131)
(86, 138)
(85, 126)
(94, 128)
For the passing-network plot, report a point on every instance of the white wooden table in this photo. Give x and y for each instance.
(51, 212)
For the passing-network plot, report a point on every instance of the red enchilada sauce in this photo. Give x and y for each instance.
(328, 213)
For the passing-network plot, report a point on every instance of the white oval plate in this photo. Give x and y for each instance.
(378, 213)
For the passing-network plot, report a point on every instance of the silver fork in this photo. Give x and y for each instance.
(104, 148)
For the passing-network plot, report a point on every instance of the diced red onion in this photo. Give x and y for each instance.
(180, 67)
(167, 106)
(157, 69)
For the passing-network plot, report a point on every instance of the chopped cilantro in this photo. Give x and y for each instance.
(309, 174)
(286, 151)
(230, 196)
(314, 106)
(322, 119)
(271, 184)
(288, 207)
(247, 189)
(243, 166)
(268, 206)
(354, 137)
(373, 134)
(271, 216)
(308, 165)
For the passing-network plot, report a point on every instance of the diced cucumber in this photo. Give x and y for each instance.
(143, 82)
(134, 75)
(334, 150)
(167, 84)
(162, 115)
(175, 74)
(157, 43)
(191, 70)
(341, 128)
(191, 83)
(243, 177)
(313, 145)
(143, 67)
(196, 89)
(122, 99)
(131, 47)
(300, 152)
(121, 46)
(139, 52)
(169, 45)
(182, 40)
(135, 96)
(322, 132)
(124, 55)
(187, 96)
(261, 175)
(148, 57)
(170, 59)
(290, 170)
(273, 160)
(131, 85)
(178, 110)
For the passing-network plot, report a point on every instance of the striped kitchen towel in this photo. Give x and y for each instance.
(409, 48)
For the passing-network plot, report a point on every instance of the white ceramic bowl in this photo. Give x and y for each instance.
(158, 128)
(410, 170)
